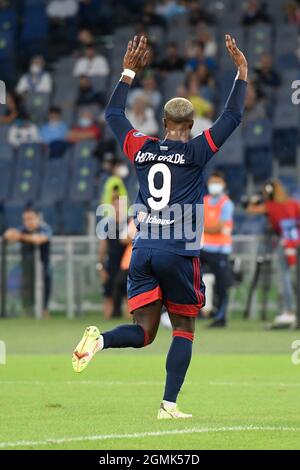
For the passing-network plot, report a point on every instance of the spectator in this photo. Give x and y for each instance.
(116, 170)
(266, 73)
(85, 38)
(203, 108)
(254, 107)
(292, 11)
(149, 17)
(13, 108)
(36, 80)
(62, 9)
(149, 91)
(92, 64)
(210, 46)
(142, 116)
(169, 8)
(255, 12)
(217, 241)
(198, 13)
(23, 131)
(195, 57)
(201, 123)
(86, 129)
(206, 82)
(33, 233)
(283, 214)
(55, 129)
(87, 95)
(172, 61)
(111, 251)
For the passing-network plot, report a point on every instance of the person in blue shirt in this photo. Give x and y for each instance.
(164, 267)
(55, 129)
(33, 233)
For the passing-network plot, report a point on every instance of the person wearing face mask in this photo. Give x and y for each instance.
(217, 241)
(86, 129)
(36, 80)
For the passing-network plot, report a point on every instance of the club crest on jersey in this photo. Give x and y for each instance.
(139, 134)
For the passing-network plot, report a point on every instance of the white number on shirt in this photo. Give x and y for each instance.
(162, 194)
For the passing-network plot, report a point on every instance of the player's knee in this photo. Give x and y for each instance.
(149, 336)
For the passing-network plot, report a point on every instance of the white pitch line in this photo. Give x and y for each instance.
(146, 382)
(104, 437)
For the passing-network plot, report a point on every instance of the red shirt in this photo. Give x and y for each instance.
(278, 212)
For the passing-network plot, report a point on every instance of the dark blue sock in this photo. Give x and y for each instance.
(178, 360)
(125, 336)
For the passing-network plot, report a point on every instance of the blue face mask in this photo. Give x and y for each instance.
(84, 122)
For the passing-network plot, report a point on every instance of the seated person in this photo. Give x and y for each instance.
(87, 95)
(23, 131)
(36, 80)
(86, 129)
(55, 129)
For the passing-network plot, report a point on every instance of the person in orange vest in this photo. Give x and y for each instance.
(217, 241)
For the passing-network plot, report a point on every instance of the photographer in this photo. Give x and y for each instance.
(283, 214)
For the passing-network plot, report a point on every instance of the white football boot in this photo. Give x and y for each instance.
(90, 343)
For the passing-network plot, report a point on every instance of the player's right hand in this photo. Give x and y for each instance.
(136, 57)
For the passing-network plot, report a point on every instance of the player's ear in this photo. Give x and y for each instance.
(191, 124)
(165, 123)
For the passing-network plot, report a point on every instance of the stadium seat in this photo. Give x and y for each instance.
(285, 146)
(55, 181)
(6, 173)
(286, 116)
(259, 134)
(6, 152)
(13, 214)
(8, 20)
(6, 45)
(235, 175)
(231, 152)
(28, 170)
(37, 105)
(74, 219)
(171, 83)
(51, 215)
(82, 182)
(259, 162)
(4, 129)
(85, 149)
(245, 224)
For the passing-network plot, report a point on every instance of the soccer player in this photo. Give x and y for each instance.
(165, 269)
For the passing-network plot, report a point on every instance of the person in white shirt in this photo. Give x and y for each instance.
(142, 116)
(36, 80)
(62, 9)
(92, 64)
(23, 131)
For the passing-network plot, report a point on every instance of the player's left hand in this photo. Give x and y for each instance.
(136, 57)
(237, 56)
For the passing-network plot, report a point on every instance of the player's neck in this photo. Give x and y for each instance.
(177, 135)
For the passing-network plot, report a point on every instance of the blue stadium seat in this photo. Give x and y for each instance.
(28, 169)
(82, 182)
(171, 83)
(4, 129)
(51, 215)
(232, 151)
(37, 106)
(236, 180)
(259, 134)
(35, 23)
(8, 20)
(6, 152)
(259, 162)
(6, 173)
(245, 224)
(74, 219)
(285, 145)
(85, 149)
(13, 214)
(286, 116)
(6, 45)
(55, 181)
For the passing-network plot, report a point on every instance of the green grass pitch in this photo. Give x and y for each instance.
(241, 388)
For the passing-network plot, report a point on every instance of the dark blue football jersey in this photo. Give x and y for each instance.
(169, 207)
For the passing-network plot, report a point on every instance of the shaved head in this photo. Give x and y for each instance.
(179, 110)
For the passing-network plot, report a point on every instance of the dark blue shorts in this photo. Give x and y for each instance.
(175, 279)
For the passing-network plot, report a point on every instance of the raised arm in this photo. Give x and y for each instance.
(135, 59)
(234, 107)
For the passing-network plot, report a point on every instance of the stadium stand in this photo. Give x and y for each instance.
(265, 145)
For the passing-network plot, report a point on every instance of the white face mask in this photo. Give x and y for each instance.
(35, 69)
(215, 189)
(122, 171)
